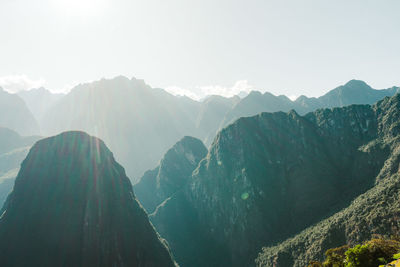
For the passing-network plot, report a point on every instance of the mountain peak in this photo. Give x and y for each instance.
(72, 194)
(172, 174)
(357, 83)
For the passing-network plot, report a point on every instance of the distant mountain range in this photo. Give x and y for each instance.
(72, 205)
(15, 115)
(141, 123)
(39, 100)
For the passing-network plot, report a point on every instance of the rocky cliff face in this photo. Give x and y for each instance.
(374, 212)
(72, 205)
(171, 175)
(270, 176)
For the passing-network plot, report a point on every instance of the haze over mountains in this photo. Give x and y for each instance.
(141, 123)
(13, 150)
(39, 100)
(15, 115)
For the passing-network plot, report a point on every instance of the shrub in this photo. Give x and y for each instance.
(335, 257)
(373, 253)
(314, 264)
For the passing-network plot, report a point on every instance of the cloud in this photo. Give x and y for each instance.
(16, 83)
(175, 90)
(200, 92)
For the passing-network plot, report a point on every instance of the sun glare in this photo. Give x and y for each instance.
(82, 7)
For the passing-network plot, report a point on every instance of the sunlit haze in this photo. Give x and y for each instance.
(201, 47)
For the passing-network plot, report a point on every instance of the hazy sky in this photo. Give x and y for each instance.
(208, 46)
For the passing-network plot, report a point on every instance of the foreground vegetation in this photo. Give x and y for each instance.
(375, 252)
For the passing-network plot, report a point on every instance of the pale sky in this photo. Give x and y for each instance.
(200, 47)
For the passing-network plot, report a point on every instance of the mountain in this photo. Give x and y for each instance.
(171, 175)
(138, 122)
(73, 205)
(13, 150)
(270, 176)
(374, 212)
(15, 115)
(256, 102)
(141, 123)
(353, 92)
(212, 111)
(10, 140)
(38, 100)
(6, 184)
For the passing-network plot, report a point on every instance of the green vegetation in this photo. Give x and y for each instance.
(335, 257)
(376, 252)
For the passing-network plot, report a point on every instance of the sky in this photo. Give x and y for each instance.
(201, 47)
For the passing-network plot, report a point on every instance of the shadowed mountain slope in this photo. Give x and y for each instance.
(171, 175)
(13, 150)
(72, 205)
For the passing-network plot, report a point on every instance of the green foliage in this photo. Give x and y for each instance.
(358, 256)
(314, 264)
(335, 257)
(396, 256)
(372, 253)
(376, 252)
